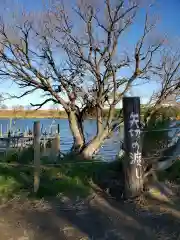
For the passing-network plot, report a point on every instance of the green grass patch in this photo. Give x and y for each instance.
(71, 178)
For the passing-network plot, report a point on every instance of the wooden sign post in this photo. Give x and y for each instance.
(133, 164)
(55, 148)
(37, 155)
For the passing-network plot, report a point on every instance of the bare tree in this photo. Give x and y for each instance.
(1, 99)
(167, 74)
(90, 76)
(18, 108)
(28, 107)
(3, 107)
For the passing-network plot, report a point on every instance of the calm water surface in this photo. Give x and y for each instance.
(108, 151)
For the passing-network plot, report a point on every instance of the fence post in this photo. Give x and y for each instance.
(55, 148)
(8, 143)
(37, 136)
(44, 146)
(133, 164)
(1, 131)
(58, 141)
(7, 128)
(58, 128)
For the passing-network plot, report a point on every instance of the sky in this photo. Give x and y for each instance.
(168, 12)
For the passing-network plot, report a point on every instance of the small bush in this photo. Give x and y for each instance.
(153, 141)
(8, 187)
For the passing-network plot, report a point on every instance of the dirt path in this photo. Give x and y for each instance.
(99, 219)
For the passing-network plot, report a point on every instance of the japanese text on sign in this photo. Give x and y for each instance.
(135, 155)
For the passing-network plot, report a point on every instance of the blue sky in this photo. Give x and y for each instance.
(168, 12)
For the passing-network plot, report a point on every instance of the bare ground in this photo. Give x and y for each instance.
(100, 218)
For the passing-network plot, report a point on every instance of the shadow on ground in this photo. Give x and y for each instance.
(101, 218)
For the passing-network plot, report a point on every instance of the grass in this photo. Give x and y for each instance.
(71, 178)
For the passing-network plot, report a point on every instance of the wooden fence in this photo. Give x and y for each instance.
(42, 145)
(11, 141)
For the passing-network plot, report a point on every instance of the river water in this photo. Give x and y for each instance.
(108, 151)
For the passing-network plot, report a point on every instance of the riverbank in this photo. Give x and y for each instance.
(18, 114)
(33, 114)
(41, 114)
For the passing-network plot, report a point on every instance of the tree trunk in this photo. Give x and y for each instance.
(99, 120)
(94, 145)
(79, 145)
(77, 132)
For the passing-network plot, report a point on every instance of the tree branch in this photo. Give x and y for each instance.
(39, 106)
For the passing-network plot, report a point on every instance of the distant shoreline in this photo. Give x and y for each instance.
(32, 114)
(41, 114)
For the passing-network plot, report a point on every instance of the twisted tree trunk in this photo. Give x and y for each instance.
(86, 150)
(95, 144)
(77, 132)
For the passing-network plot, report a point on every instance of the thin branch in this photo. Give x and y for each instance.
(40, 105)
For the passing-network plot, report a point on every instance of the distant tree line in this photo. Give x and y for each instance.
(89, 114)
